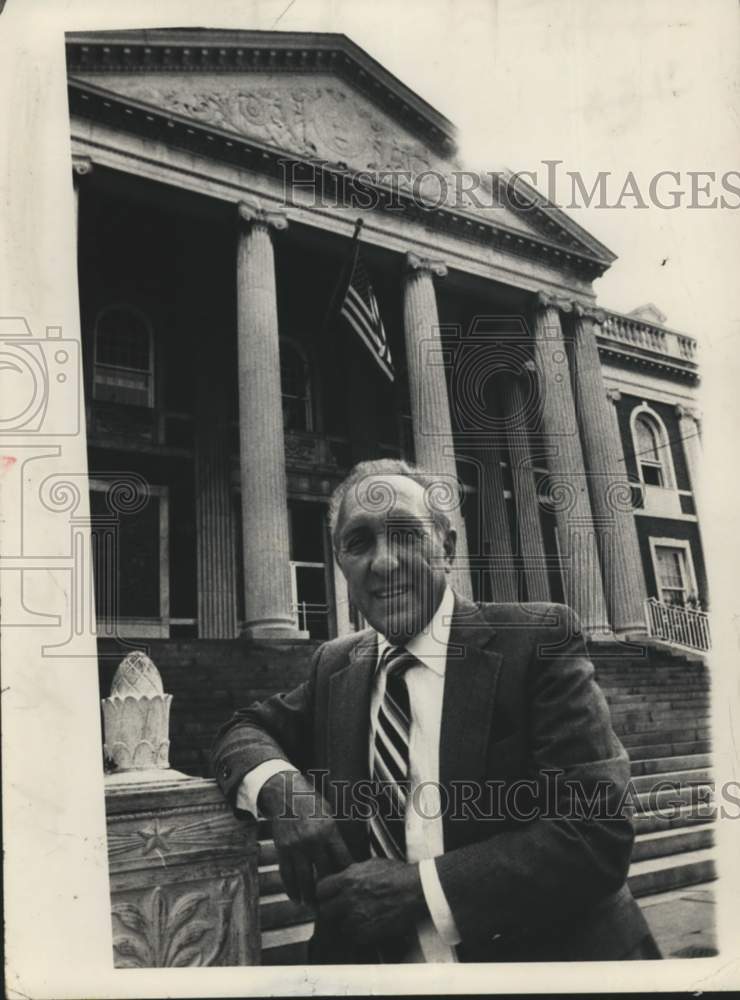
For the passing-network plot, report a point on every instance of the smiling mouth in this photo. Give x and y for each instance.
(386, 595)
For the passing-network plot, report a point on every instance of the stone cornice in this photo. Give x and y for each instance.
(93, 102)
(425, 265)
(208, 50)
(656, 363)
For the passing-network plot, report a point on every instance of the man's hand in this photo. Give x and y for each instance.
(371, 900)
(307, 839)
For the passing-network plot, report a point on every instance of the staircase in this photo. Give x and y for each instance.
(661, 712)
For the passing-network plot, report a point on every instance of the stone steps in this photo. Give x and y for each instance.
(652, 751)
(661, 843)
(689, 777)
(694, 733)
(671, 872)
(661, 765)
(665, 799)
(693, 814)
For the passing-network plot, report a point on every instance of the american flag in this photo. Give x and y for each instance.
(360, 309)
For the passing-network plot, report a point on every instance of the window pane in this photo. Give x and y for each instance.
(122, 340)
(671, 567)
(646, 440)
(652, 475)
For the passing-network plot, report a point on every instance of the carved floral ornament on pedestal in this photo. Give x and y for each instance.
(166, 928)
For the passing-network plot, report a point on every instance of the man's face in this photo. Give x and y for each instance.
(394, 557)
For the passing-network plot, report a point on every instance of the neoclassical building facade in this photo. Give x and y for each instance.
(218, 177)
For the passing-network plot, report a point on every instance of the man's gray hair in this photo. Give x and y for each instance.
(437, 489)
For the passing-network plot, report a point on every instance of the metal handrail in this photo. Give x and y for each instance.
(678, 626)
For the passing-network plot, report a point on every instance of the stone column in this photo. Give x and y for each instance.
(525, 492)
(217, 616)
(689, 424)
(81, 167)
(624, 583)
(430, 407)
(267, 594)
(495, 529)
(568, 489)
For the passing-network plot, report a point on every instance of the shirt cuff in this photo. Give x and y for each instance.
(252, 782)
(437, 903)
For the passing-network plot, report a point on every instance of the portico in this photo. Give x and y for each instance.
(234, 396)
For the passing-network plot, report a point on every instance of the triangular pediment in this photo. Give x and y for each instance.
(316, 97)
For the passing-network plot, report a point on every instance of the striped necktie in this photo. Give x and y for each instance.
(391, 758)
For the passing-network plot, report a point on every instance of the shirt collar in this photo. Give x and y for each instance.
(430, 645)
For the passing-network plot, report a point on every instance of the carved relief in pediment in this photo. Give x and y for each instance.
(316, 118)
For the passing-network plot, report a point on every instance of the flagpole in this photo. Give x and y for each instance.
(345, 276)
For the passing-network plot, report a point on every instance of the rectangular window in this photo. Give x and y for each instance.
(673, 572)
(130, 565)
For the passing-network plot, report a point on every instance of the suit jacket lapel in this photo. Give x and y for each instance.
(471, 677)
(349, 717)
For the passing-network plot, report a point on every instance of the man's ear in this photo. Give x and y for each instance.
(450, 546)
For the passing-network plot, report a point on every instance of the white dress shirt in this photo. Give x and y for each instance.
(437, 933)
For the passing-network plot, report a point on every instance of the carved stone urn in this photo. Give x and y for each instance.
(136, 717)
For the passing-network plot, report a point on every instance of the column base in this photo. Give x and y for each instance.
(272, 630)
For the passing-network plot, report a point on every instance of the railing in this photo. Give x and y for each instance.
(648, 336)
(678, 626)
(310, 614)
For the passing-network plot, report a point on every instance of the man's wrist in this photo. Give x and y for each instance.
(287, 794)
(274, 796)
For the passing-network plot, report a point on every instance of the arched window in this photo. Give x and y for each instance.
(295, 382)
(652, 449)
(124, 357)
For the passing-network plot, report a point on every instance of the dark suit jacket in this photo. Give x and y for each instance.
(528, 876)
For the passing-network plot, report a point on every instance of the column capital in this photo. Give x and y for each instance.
(549, 300)
(584, 310)
(81, 166)
(252, 213)
(613, 395)
(425, 265)
(690, 412)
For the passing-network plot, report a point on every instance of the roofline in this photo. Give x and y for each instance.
(275, 43)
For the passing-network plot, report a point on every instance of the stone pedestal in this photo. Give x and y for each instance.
(267, 591)
(609, 487)
(430, 408)
(525, 492)
(183, 875)
(570, 501)
(183, 871)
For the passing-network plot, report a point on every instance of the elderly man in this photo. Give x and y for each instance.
(446, 784)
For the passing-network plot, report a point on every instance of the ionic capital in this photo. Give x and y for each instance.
(548, 300)
(251, 213)
(688, 412)
(425, 265)
(81, 166)
(586, 311)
